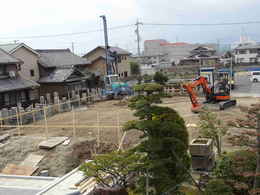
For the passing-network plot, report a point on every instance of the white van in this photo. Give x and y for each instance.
(255, 76)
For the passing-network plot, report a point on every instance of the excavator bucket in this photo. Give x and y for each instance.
(226, 104)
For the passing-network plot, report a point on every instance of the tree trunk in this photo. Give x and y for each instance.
(257, 178)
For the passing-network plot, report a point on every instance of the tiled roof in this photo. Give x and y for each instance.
(12, 47)
(60, 75)
(249, 46)
(118, 50)
(17, 83)
(174, 44)
(6, 58)
(9, 47)
(60, 58)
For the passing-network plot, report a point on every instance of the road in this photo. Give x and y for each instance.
(244, 87)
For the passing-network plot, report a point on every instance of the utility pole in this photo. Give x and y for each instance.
(72, 47)
(137, 31)
(109, 71)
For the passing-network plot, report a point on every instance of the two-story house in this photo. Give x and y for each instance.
(247, 54)
(120, 61)
(14, 88)
(201, 56)
(29, 69)
(62, 71)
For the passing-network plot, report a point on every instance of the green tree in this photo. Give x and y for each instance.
(135, 68)
(147, 78)
(212, 127)
(160, 78)
(217, 187)
(116, 169)
(164, 139)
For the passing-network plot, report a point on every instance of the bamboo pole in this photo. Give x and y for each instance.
(73, 122)
(118, 129)
(62, 126)
(18, 123)
(46, 122)
(98, 124)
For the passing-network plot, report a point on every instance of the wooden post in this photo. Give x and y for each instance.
(33, 115)
(98, 124)
(73, 122)
(46, 122)
(18, 122)
(118, 129)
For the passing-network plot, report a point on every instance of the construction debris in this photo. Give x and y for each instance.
(12, 169)
(32, 160)
(4, 137)
(52, 142)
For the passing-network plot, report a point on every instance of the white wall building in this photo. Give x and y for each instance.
(174, 52)
(247, 53)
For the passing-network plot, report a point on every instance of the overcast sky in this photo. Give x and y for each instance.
(33, 18)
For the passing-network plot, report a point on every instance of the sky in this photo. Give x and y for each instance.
(21, 19)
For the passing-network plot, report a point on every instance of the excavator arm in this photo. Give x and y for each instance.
(201, 81)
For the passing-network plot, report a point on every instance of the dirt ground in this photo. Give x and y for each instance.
(101, 121)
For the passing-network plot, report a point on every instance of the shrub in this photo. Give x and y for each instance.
(237, 168)
(218, 187)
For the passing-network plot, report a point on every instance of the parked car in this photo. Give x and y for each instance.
(255, 76)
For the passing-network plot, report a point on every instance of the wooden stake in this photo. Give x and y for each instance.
(98, 124)
(46, 122)
(18, 123)
(73, 122)
(118, 129)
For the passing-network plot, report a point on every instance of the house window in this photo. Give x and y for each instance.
(6, 99)
(241, 60)
(119, 59)
(253, 60)
(125, 74)
(22, 96)
(32, 73)
(19, 67)
(242, 52)
(252, 51)
(2, 70)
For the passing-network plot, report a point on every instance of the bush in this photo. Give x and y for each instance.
(238, 169)
(218, 187)
(160, 78)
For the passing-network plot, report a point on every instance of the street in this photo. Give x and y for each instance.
(244, 87)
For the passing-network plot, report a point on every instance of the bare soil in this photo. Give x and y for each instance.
(111, 114)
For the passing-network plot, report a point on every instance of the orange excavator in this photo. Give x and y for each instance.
(220, 93)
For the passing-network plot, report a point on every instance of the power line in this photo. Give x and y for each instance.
(205, 24)
(66, 34)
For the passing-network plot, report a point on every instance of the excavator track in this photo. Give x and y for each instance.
(227, 104)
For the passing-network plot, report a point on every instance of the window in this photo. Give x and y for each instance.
(253, 51)
(2, 70)
(119, 59)
(22, 96)
(125, 74)
(253, 60)
(256, 73)
(242, 52)
(240, 60)
(32, 73)
(19, 67)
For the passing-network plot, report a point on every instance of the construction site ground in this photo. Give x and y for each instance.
(100, 121)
